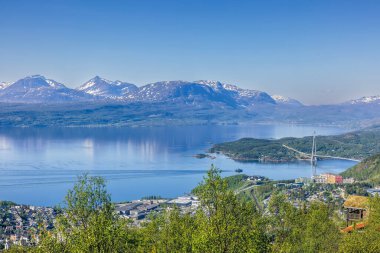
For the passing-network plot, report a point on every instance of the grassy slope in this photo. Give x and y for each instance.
(236, 181)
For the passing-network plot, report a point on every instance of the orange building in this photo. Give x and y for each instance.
(333, 179)
(330, 179)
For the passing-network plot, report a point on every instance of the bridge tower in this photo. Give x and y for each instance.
(313, 158)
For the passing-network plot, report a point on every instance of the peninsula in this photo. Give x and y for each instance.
(356, 145)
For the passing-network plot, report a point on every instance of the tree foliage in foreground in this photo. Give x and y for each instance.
(89, 223)
(222, 223)
(302, 229)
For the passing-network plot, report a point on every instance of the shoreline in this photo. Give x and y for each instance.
(281, 161)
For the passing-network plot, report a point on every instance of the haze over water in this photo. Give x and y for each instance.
(38, 166)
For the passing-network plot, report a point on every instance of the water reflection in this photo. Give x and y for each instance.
(37, 166)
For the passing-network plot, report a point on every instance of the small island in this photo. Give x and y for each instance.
(201, 156)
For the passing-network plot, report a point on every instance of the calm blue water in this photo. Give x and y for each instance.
(38, 166)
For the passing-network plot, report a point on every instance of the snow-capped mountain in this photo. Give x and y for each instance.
(189, 92)
(116, 103)
(285, 100)
(215, 85)
(365, 100)
(250, 97)
(104, 88)
(242, 96)
(38, 89)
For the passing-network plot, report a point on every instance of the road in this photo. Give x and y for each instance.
(252, 193)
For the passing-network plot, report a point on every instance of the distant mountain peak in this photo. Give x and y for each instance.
(102, 87)
(285, 100)
(99, 78)
(40, 80)
(37, 81)
(211, 83)
(37, 89)
(246, 97)
(365, 100)
(96, 80)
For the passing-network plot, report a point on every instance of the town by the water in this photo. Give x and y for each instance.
(22, 224)
(189, 126)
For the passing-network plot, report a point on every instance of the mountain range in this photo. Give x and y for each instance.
(38, 89)
(38, 101)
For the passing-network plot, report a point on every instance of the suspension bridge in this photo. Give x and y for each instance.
(314, 157)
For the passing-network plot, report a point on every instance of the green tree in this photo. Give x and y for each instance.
(225, 224)
(221, 224)
(168, 232)
(320, 233)
(285, 225)
(88, 223)
(305, 229)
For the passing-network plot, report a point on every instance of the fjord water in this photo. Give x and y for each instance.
(39, 165)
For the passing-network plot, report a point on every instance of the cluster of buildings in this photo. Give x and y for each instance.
(257, 179)
(326, 178)
(20, 224)
(300, 193)
(186, 203)
(322, 194)
(354, 207)
(139, 210)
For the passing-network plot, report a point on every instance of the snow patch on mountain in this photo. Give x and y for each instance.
(160, 91)
(244, 95)
(101, 87)
(55, 84)
(285, 100)
(216, 85)
(4, 85)
(195, 93)
(366, 100)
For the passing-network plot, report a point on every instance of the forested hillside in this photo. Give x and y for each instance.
(367, 170)
(354, 145)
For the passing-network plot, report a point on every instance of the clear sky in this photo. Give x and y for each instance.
(313, 50)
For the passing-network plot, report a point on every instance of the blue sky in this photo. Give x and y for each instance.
(315, 51)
